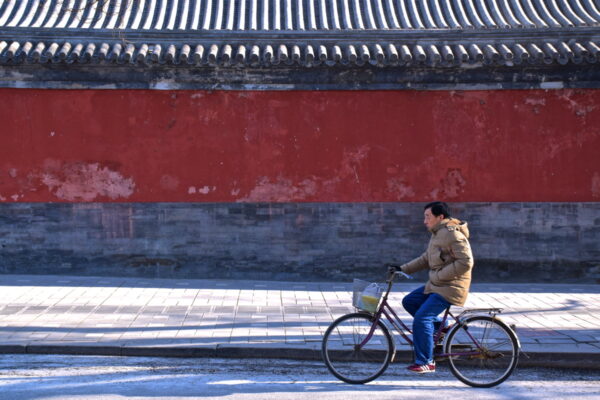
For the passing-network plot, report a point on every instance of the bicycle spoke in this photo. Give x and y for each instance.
(344, 355)
(491, 357)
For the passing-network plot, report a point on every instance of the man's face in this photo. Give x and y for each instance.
(431, 220)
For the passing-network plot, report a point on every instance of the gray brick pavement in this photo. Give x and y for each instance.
(192, 317)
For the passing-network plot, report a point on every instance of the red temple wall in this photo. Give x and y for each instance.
(299, 146)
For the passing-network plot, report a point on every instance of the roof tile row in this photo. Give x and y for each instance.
(255, 55)
(296, 15)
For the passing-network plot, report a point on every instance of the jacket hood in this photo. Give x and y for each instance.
(453, 223)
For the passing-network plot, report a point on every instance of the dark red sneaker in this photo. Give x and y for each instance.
(422, 369)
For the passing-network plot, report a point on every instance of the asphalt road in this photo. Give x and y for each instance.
(25, 377)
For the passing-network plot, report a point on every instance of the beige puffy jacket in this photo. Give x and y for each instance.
(449, 260)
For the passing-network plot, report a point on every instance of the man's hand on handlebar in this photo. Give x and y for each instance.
(392, 267)
(392, 270)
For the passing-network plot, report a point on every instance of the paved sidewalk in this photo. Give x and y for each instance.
(557, 324)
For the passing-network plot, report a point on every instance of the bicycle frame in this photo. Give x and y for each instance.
(386, 310)
(481, 350)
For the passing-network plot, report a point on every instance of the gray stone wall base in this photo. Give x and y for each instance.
(512, 242)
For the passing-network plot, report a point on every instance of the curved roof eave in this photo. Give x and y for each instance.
(303, 32)
(297, 15)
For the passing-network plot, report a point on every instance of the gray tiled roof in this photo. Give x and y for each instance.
(296, 15)
(304, 32)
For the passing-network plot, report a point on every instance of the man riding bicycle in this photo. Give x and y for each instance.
(450, 260)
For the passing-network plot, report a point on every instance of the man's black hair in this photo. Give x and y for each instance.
(438, 208)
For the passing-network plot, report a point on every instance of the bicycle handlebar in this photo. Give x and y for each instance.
(398, 272)
(404, 275)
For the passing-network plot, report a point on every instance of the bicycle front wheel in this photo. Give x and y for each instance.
(350, 354)
(482, 351)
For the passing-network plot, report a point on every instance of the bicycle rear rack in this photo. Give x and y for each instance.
(490, 311)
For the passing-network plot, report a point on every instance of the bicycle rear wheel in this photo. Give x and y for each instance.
(483, 351)
(344, 355)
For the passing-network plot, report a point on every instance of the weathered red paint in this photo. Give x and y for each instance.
(199, 146)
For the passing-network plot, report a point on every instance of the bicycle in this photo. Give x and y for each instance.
(482, 351)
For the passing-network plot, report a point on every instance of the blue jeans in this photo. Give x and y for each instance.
(425, 308)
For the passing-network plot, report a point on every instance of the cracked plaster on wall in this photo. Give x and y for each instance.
(283, 189)
(86, 182)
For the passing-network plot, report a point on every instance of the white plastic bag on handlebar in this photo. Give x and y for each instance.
(372, 291)
(369, 299)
